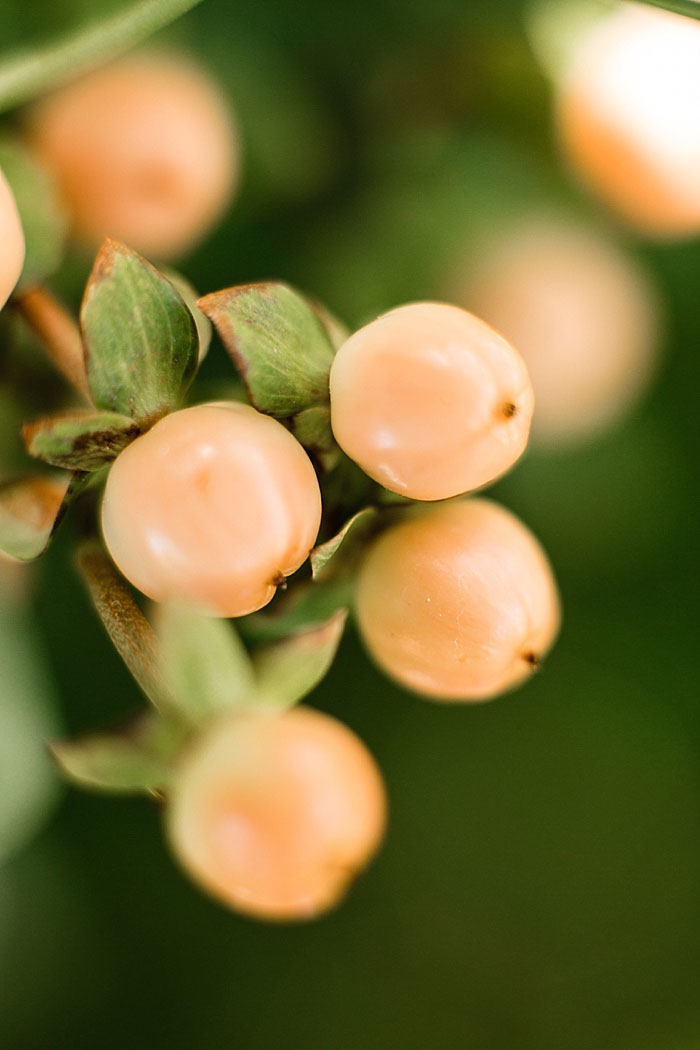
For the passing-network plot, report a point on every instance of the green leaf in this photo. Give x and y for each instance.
(312, 429)
(138, 759)
(303, 606)
(43, 222)
(681, 7)
(289, 669)
(278, 343)
(191, 296)
(79, 440)
(336, 331)
(141, 343)
(204, 664)
(132, 635)
(30, 511)
(35, 70)
(324, 554)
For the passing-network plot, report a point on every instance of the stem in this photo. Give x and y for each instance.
(57, 332)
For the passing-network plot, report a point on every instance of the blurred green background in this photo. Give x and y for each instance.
(539, 888)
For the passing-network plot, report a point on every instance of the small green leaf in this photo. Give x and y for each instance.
(323, 554)
(191, 296)
(43, 222)
(289, 669)
(30, 511)
(204, 664)
(132, 635)
(79, 440)
(312, 429)
(305, 605)
(138, 759)
(278, 343)
(35, 70)
(141, 343)
(336, 331)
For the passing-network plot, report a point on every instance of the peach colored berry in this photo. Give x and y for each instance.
(11, 242)
(143, 150)
(274, 814)
(430, 401)
(215, 504)
(628, 117)
(582, 312)
(458, 602)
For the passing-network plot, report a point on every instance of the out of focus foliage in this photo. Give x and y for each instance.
(539, 887)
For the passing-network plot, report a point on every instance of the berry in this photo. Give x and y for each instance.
(430, 401)
(142, 150)
(627, 116)
(11, 242)
(584, 315)
(215, 505)
(458, 602)
(274, 814)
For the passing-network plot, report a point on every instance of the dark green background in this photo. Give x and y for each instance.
(539, 888)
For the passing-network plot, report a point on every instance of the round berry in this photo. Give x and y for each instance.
(274, 814)
(430, 401)
(582, 312)
(143, 150)
(11, 242)
(214, 505)
(628, 117)
(458, 602)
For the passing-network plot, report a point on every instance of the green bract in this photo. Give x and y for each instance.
(278, 342)
(141, 340)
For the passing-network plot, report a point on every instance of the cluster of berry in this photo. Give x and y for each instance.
(217, 504)
(272, 807)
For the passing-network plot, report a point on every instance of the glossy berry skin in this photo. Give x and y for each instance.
(214, 505)
(142, 150)
(11, 242)
(458, 602)
(627, 117)
(273, 814)
(584, 315)
(430, 401)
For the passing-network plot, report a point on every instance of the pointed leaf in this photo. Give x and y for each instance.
(277, 342)
(289, 669)
(323, 554)
(191, 296)
(305, 606)
(312, 429)
(141, 342)
(37, 69)
(132, 635)
(138, 759)
(30, 511)
(204, 664)
(336, 331)
(79, 440)
(43, 221)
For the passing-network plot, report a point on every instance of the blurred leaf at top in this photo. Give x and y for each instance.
(681, 7)
(46, 44)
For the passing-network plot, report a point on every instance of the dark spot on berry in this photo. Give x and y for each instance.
(532, 659)
(510, 410)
